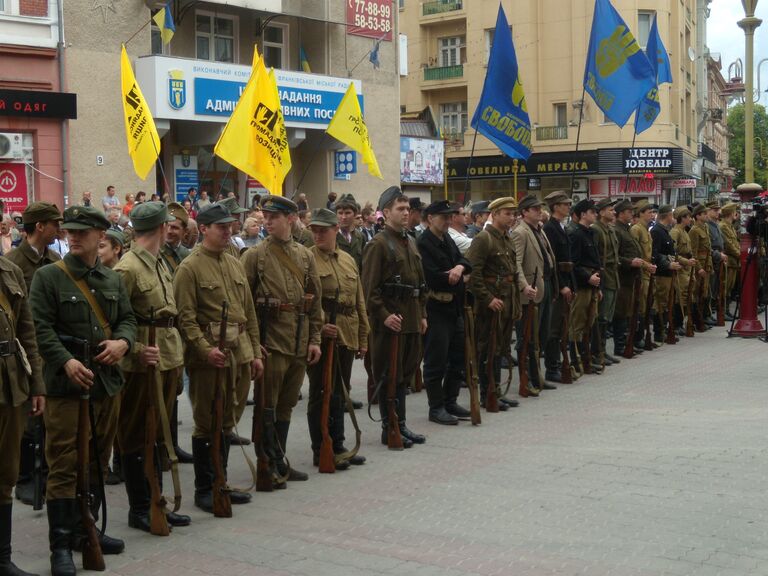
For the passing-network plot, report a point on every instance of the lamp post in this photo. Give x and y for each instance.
(749, 24)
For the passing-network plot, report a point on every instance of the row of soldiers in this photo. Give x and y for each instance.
(284, 302)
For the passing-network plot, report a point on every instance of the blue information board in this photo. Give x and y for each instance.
(345, 163)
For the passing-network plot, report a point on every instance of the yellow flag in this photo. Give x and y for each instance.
(348, 126)
(140, 131)
(255, 140)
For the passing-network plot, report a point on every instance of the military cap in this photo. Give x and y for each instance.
(278, 204)
(623, 205)
(729, 209)
(179, 212)
(583, 206)
(665, 209)
(604, 203)
(642, 206)
(699, 209)
(117, 236)
(83, 218)
(503, 202)
(681, 212)
(655, 207)
(324, 217)
(233, 206)
(347, 201)
(40, 212)
(480, 207)
(216, 213)
(712, 205)
(150, 215)
(529, 201)
(441, 207)
(389, 196)
(557, 197)
(415, 203)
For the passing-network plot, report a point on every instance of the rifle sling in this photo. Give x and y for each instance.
(351, 411)
(168, 442)
(288, 262)
(233, 391)
(90, 298)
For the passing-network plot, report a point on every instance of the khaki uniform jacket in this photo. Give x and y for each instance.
(492, 256)
(17, 322)
(174, 256)
(27, 258)
(528, 259)
(731, 241)
(387, 255)
(338, 271)
(61, 309)
(268, 277)
(682, 241)
(303, 236)
(150, 285)
(202, 282)
(608, 249)
(354, 247)
(701, 246)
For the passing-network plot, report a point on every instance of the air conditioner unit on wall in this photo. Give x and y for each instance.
(10, 146)
(580, 184)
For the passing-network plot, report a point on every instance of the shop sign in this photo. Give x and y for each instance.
(38, 104)
(534, 183)
(680, 183)
(546, 164)
(13, 186)
(639, 160)
(633, 186)
(370, 18)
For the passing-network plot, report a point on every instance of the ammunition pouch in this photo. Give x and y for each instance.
(232, 333)
(268, 308)
(342, 309)
(442, 297)
(397, 291)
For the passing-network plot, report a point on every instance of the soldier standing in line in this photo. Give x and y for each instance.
(149, 285)
(235, 211)
(608, 249)
(665, 259)
(679, 234)
(444, 271)
(640, 232)
(728, 215)
(718, 248)
(80, 306)
(23, 392)
(281, 268)
(393, 281)
(41, 222)
(702, 252)
(479, 213)
(349, 239)
(559, 207)
(494, 286)
(209, 276)
(342, 290)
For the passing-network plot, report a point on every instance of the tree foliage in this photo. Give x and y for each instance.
(736, 143)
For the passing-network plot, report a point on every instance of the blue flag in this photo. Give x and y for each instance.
(657, 56)
(502, 114)
(618, 74)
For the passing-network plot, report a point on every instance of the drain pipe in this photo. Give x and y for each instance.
(64, 122)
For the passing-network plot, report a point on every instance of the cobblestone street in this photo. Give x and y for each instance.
(656, 467)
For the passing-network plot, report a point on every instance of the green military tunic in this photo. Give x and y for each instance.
(642, 235)
(683, 248)
(354, 246)
(173, 256)
(732, 250)
(30, 261)
(701, 247)
(628, 249)
(608, 248)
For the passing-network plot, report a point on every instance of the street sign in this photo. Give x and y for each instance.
(345, 163)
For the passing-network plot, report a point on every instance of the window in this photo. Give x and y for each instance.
(489, 34)
(452, 51)
(215, 37)
(157, 40)
(453, 117)
(2, 6)
(276, 45)
(644, 20)
(401, 4)
(561, 114)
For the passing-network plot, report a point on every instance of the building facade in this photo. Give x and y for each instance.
(449, 44)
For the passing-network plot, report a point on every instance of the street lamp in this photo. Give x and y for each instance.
(749, 24)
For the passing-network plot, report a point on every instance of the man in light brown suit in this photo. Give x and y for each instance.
(534, 256)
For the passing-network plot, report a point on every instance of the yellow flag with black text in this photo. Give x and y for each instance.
(140, 132)
(255, 140)
(348, 126)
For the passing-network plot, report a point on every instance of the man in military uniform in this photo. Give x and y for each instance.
(479, 214)
(718, 248)
(281, 268)
(728, 215)
(349, 238)
(444, 271)
(22, 393)
(342, 292)
(149, 285)
(640, 232)
(41, 222)
(665, 258)
(209, 276)
(235, 210)
(702, 252)
(393, 281)
(608, 249)
(415, 217)
(559, 207)
(679, 234)
(494, 286)
(631, 266)
(85, 326)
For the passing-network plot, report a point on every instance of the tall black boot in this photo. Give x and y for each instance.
(201, 453)
(183, 456)
(281, 428)
(25, 486)
(7, 568)
(658, 329)
(315, 433)
(137, 489)
(61, 518)
(404, 431)
(173, 518)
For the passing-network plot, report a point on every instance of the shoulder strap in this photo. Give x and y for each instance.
(5, 304)
(288, 262)
(90, 298)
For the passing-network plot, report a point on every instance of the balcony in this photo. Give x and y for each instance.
(444, 73)
(441, 7)
(707, 153)
(454, 139)
(551, 133)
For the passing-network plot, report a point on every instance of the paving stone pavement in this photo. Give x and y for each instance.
(656, 467)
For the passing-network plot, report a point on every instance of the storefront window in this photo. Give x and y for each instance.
(276, 45)
(215, 37)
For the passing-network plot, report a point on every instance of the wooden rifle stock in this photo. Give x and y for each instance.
(671, 336)
(689, 331)
(648, 344)
(565, 368)
(158, 523)
(524, 359)
(327, 464)
(394, 439)
(721, 292)
(491, 399)
(629, 347)
(700, 306)
(222, 505)
(263, 462)
(469, 363)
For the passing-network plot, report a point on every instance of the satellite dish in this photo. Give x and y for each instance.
(691, 54)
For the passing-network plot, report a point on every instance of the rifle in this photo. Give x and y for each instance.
(648, 344)
(469, 361)
(262, 413)
(721, 292)
(222, 505)
(158, 523)
(565, 369)
(671, 337)
(491, 399)
(93, 559)
(586, 338)
(700, 308)
(327, 464)
(629, 347)
(394, 439)
(525, 356)
(37, 471)
(689, 331)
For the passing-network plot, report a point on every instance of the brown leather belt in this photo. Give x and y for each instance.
(565, 266)
(493, 279)
(8, 348)
(167, 322)
(343, 309)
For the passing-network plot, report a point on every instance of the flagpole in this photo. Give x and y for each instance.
(159, 163)
(634, 137)
(137, 31)
(311, 159)
(578, 136)
(469, 166)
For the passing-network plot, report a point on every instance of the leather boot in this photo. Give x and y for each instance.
(281, 428)
(109, 545)
(7, 568)
(658, 329)
(137, 488)
(61, 516)
(183, 456)
(203, 474)
(440, 416)
(619, 336)
(404, 431)
(315, 434)
(235, 496)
